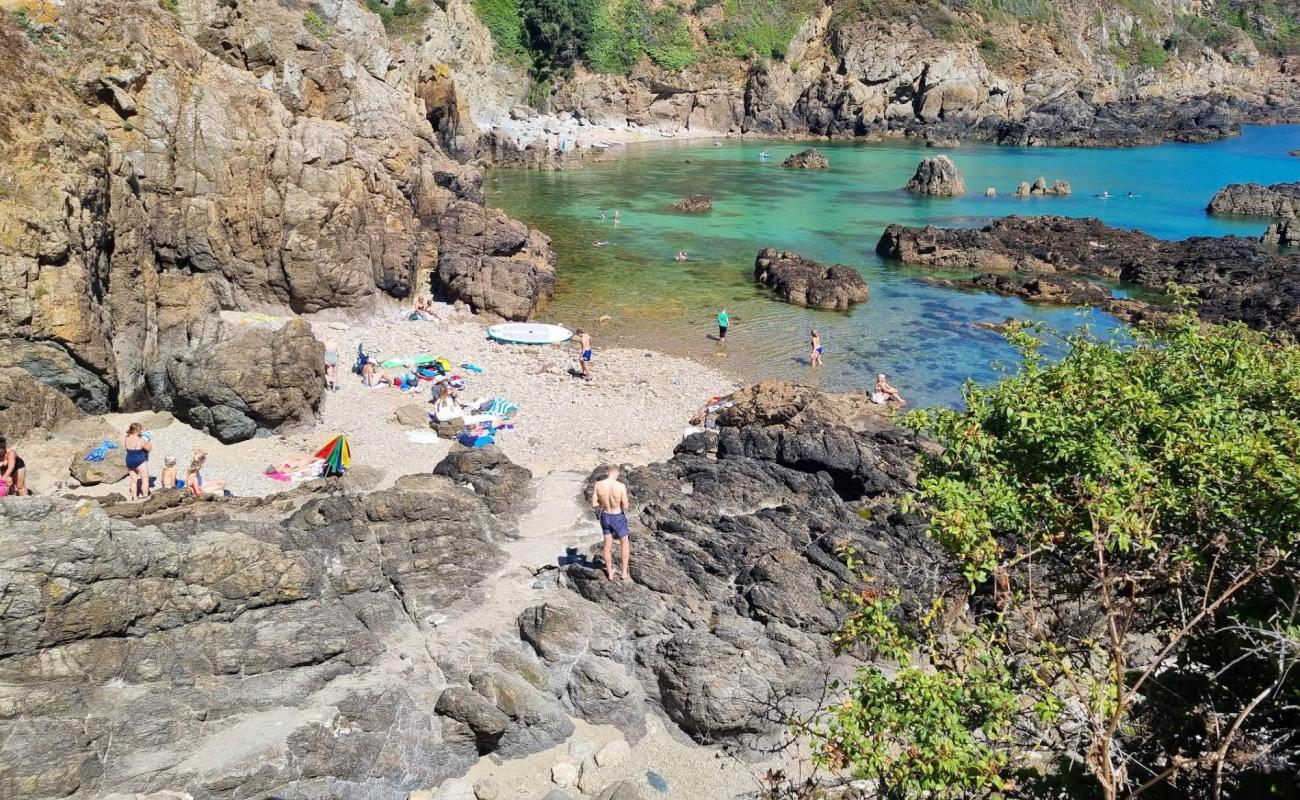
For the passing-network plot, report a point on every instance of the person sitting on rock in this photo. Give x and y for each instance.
(884, 392)
(445, 408)
(194, 479)
(13, 470)
(168, 479)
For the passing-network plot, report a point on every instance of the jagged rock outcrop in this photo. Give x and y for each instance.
(1280, 201)
(162, 165)
(502, 484)
(937, 176)
(1234, 278)
(257, 379)
(1055, 289)
(810, 158)
(1282, 234)
(1040, 187)
(53, 366)
(694, 204)
(804, 282)
(735, 541)
(26, 403)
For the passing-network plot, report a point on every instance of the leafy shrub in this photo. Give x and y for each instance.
(627, 29)
(759, 28)
(504, 21)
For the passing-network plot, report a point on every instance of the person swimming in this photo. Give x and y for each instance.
(617, 219)
(815, 358)
(681, 256)
(764, 155)
(1103, 196)
(599, 243)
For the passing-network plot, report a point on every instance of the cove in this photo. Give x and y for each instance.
(924, 337)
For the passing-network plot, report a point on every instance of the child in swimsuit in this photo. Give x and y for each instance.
(815, 359)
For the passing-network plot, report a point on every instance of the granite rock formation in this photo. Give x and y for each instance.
(256, 379)
(163, 165)
(1280, 201)
(26, 403)
(1282, 234)
(937, 176)
(804, 282)
(1233, 278)
(810, 158)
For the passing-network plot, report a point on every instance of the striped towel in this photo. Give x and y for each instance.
(501, 407)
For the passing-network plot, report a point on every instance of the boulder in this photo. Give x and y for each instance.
(92, 473)
(1282, 234)
(694, 204)
(1280, 201)
(1022, 190)
(493, 263)
(27, 403)
(53, 366)
(937, 176)
(255, 380)
(412, 415)
(484, 721)
(804, 282)
(811, 158)
(502, 484)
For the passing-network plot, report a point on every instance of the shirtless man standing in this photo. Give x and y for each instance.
(609, 500)
(584, 353)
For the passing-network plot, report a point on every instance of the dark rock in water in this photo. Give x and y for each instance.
(811, 158)
(694, 204)
(503, 484)
(1235, 278)
(804, 282)
(53, 366)
(27, 403)
(256, 379)
(1045, 288)
(938, 176)
(1282, 234)
(1280, 201)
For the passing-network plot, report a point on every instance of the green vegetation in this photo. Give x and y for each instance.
(932, 15)
(503, 20)
(316, 26)
(168, 5)
(402, 18)
(1146, 491)
(626, 30)
(1274, 25)
(758, 28)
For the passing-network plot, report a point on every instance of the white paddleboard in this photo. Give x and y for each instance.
(529, 333)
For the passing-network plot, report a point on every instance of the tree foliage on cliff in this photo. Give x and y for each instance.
(1128, 518)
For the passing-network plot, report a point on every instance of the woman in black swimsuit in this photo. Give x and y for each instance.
(13, 470)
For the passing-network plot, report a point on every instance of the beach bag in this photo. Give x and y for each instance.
(362, 359)
(443, 366)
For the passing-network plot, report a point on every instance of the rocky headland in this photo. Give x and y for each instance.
(1233, 278)
(163, 164)
(804, 282)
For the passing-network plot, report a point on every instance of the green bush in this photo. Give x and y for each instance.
(626, 30)
(504, 21)
(759, 28)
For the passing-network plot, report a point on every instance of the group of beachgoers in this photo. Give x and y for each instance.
(137, 445)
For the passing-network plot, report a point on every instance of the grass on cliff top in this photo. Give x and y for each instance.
(403, 19)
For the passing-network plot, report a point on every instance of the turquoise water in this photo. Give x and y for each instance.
(922, 336)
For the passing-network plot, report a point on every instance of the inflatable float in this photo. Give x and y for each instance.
(529, 333)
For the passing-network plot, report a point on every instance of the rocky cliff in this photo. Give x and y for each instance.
(1028, 72)
(164, 161)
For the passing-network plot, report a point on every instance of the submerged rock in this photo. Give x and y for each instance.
(694, 204)
(1281, 200)
(811, 158)
(938, 176)
(804, 282)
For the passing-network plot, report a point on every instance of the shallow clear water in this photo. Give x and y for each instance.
(922, 336)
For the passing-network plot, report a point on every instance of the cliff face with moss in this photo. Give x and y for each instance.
(1015, 71)
(166, 161)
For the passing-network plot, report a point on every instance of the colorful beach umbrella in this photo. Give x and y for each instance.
(336, 455)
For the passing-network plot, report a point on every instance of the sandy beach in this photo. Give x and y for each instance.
(633, 410)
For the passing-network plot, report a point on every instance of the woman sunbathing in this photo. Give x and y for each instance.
(194, 479)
